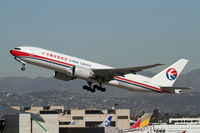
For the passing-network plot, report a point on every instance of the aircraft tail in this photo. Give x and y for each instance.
(168, 76)
(72, 122)
(107, 121)
(143, 121)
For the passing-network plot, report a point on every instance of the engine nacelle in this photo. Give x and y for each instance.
(82, 72)
(62, 76)
(178, 91)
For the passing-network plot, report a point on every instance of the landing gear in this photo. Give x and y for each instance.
(94, 87)
(103, 89)
(23, 63)
(23, 68)
(85, 87)
(99, 87)
(89, 88)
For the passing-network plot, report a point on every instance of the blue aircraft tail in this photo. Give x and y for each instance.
(73, 123)
(107, 121)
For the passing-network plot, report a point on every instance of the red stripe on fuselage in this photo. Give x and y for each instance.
(25, 54)
(20, 53)
(140, 84)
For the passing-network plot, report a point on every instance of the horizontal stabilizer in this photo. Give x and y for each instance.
(175, 88)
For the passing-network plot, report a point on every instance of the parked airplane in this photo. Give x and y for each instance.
(142, 122)
(72, 122)
(69, 68)
(107, 121)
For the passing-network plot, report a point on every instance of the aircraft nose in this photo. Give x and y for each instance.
(11, 51)
(14, 52)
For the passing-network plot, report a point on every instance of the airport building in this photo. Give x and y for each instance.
(83, 118)
(56, 119)
(2, 125)
(22, 123)
(176, 125)
(181, 121)
(165, 128)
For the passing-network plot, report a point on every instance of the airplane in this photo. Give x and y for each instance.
(142, 122)
(67, 68)
(37, 118)
(107, 121)
(72, 122)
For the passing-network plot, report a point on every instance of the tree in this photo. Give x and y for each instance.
(155, 116)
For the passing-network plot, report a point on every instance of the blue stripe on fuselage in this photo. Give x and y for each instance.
(47, 61)
(137, 85)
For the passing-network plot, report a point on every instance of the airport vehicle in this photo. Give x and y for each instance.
(107, 121)
(67, 68)
(142, 122)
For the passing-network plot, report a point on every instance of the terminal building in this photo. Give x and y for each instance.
(2, 125)
(22, 123)
(84, 118)
(183, 121)
(57, 119)
(60, 118)
(176, 125)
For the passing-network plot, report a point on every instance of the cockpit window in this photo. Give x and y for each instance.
(17, 48)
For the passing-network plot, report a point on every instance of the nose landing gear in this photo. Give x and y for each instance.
(23, 68)
(23, 63)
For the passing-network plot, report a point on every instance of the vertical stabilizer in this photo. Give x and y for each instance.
(107, 121)
(168, 76)
(72, 122)
(143, 121)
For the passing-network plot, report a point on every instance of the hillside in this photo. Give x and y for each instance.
(49, 91)
(23, 85)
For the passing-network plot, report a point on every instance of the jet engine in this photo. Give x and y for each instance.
(82, 72)
(177, 91)
(62, 76)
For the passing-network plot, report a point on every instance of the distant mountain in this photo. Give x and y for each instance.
(7, 99)
(49, 91)
(167, 103)
(188, 102)
(191, 79)
(6, 109)
(24, 85)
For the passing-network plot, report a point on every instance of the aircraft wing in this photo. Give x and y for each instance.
(109, 74)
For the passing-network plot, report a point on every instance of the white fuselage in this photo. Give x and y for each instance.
(62, 63)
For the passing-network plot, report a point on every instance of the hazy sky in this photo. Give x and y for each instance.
(123, 33)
